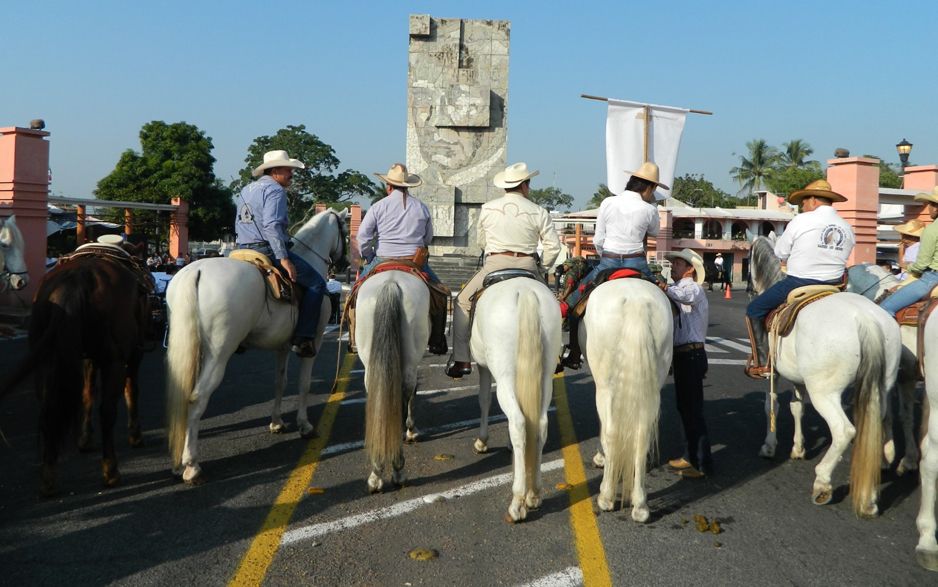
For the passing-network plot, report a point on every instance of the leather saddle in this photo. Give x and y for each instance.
(602, 277)
(115, 254)
(493, 278)
(279, 285)
(782, 319)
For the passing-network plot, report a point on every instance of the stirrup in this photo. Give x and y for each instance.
(757, 372)
(571, 362)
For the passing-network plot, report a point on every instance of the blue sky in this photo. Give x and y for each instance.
(858, 75)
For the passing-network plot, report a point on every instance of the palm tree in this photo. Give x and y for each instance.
(795, 153)
(753, 170)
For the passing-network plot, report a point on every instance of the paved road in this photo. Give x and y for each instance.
(155, 531)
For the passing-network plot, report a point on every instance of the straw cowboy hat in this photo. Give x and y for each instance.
(649, 172)
(693, 258)
(932, 197)
(818, 188)
(913, 227)
(276, 159)
(513, 176)
(398, 176)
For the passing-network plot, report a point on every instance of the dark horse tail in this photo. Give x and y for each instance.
(55, 354)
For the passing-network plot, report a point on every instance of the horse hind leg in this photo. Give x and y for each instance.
(771, 409)
(485, 403)
(113, 380)
(797, 411)
(911, 458)
(926, 552)
(131, 396)
(411, 433)
(398, 476)
(842, 432)
(86, 440)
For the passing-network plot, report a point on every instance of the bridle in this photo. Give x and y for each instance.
(341, 262)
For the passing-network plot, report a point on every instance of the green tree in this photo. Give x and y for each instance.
(175, 160)
(552, 198)
(753, 169)
(697, 192)
(890, 176)
(318, 183)
(786, 180)
(794, 155)
(601, 194)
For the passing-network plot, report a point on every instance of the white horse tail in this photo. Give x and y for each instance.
(868, 388)
(529, 371)
(384, 404)
(632, 373)
(182, 361)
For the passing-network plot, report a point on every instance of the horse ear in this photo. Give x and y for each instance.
(343, 214)
(750, 236)
(772, 237)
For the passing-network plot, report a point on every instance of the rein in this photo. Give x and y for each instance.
(328, 261)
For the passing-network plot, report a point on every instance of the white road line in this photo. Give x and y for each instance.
(727, 361)
(712, 349)
(569, 577)
(424, 392)
(731, 344)
(399, 509)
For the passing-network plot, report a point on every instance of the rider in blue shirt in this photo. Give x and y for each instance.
(262, 224)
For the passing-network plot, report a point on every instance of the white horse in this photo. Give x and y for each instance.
(837, 341)
(13, 271)
(215, 306)
(871, 282)
(926, 553)
(517, 339)
(628, 334)
(393, 310)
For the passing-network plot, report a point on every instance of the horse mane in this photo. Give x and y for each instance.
(765, 267)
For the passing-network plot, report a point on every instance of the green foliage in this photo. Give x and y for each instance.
(551, 198)
(890, 176)
(317, 183)
(794, 155)
(601, 194)
(697, 192)
(753, 170)
(786, 180)
(175, 160)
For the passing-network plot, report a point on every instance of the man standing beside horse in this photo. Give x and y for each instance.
(509, 231)
(262, 225)
(815, 246)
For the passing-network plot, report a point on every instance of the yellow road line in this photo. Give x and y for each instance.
(257, 560)
(589, 545)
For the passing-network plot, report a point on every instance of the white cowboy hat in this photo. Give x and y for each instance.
(513, 176)
(399, 177)
(649, 172)
(932, 197)
(276, 159)
(914, 227)
(110, 239)
(691, 257)
(818, 188)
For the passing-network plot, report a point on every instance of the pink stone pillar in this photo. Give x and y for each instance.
(857, 179)
(24, 192)
(662, 242)
(179, 229)
(923, 178)
(355, 212)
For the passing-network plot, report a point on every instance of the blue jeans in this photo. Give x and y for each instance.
(909, 294)
(689, 371)
(637, 263)
(773, 297)
(371, 265)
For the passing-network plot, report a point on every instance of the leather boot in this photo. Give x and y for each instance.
(573, 358)
(757, 366)
(458, 369)
(438, 330)
(351, 332)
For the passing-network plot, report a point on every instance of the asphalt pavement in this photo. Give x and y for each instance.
(327, 530)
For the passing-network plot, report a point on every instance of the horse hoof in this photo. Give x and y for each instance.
(870, 512)
(604, 504)
(822, 497)
(277, 428)
(47, 490)
(641, 515)
(927, 559)
(532, 502)
(599, 461)
(480, 447)
(112, 481)
(309, 434)
(767, 453)
(410, 436)
(85, 444)
(904, 467)
(193, 476)
(797, 455)
(375, 484)
(137, 442)
(516, 515)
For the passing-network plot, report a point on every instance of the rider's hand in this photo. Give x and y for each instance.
(291, 270)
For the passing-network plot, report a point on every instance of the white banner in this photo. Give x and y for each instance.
(625, 137)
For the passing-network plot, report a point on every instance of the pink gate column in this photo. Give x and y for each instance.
(857, 179)
(24, 192)
(923, 178)
(179, 229)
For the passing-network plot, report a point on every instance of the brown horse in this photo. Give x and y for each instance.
(93, 307)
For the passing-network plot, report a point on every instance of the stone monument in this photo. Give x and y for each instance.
(457, 132)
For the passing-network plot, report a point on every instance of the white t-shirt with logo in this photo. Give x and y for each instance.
(816, 245)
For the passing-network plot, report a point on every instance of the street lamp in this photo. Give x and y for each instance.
(904, 148)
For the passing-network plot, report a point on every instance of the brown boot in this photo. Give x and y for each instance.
(757, 365)
(459, 369)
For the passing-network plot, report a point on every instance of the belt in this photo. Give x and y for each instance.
(253, 246)
(514, 254)
(617, 256)
(686, 348)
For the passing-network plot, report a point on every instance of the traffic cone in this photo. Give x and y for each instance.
(728, 296)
